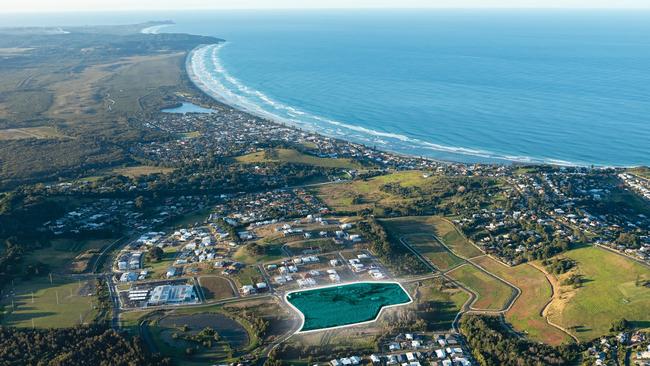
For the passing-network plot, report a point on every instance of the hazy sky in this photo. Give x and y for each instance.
(67, 5)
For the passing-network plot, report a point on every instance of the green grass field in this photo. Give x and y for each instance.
(433, 225)
(357, 195)
(440, 304)
(293, 156)
(248, 275)
(525, 314)
(60, 255)
(273, 251)
(492, 293)
(611, 291)
(431, 248)
(159, 269)
(73, 306)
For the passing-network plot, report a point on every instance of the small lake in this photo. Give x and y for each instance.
(353, 303)
(229, 329)
(188, 108)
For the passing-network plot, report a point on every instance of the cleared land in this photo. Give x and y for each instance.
(61, 304)
(431, 248)
(216, 288)
(526, 313)
(613, 288)
(30, 133)
(358, 195)
(434, 225)
(293, 156)
(141, 170)
(158, 269)
(248, 275)
(437, 304)
(643, 172)
(492, 293)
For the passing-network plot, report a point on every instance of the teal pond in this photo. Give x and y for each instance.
(348, 304)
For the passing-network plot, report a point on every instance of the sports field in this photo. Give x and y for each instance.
(37, 303)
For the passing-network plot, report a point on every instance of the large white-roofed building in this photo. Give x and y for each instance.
(168, 294)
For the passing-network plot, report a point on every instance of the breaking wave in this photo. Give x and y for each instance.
(208, 73)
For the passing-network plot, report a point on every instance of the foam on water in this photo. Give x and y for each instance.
(210, 75)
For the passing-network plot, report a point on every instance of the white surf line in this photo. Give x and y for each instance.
(381, 310)
(208, 55)
(154, 29)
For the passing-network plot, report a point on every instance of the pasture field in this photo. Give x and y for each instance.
(60, 255)
(438, 303)
(492, 293)
(293, 156)
(64, 303)
(24, 103)
(272, 250)
(434, 225)
(216, 288)
(358, 195)
(133, 81)
(536, 291)
(431, 248)
(613, 288)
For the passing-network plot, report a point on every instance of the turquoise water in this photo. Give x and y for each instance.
(188, 108)
(346, 304)
(567, 87)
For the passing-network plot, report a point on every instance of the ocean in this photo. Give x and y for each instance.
(536, 86)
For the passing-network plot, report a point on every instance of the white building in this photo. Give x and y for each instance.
(168, 294)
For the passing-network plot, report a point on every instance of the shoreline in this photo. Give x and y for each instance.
(154, 29)
(478, 158)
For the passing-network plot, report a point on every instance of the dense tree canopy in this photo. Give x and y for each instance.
(93, 345)
(492, 345)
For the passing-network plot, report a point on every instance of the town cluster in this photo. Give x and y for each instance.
(413, 349)
(547, 211)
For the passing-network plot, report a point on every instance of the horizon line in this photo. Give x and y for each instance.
(109, 10)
